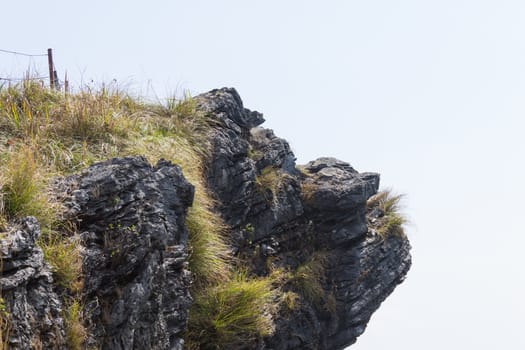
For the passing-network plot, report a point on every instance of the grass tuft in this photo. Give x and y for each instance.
(76, 333)
(209, 252)
(307, 278)
(23, 188)
(387, 218)
(232, 314)
(308, 190)
(269, 182)
(66, 262)
(290, 300)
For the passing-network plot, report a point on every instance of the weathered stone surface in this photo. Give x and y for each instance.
(363, 276)
(135, 244)
(318, 210)
(226, 105)
(136, 280)
(33, 309)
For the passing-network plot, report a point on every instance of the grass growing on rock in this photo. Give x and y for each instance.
(63, 254)
(290, 300)
(231, 314)
(308, 190)
(4, 325)
(76, 333)
(23, 187)
(304, 284)
(45, 133)
(269, 183)
(307, 278)
(386, 218)
(177, 133)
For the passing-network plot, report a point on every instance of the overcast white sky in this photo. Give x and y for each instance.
(428, 93)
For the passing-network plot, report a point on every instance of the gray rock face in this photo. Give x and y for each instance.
(135, 244)
(33, 309)
(295, 215)
(136, 283)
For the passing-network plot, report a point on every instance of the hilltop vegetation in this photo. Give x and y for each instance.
(46, 134)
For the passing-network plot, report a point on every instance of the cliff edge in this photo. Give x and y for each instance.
(217, 240)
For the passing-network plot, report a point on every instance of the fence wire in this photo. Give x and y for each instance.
(24, 79)
(56, 81)
(22, 53)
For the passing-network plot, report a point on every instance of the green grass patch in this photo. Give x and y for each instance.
(231, 314)
(209, 253)
(64, 257)
(76, 333)
(23, 188)
(307, 278)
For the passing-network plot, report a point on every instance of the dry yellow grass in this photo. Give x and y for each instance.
(45, 133)
(392, 221)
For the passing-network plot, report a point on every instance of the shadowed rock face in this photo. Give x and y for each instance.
(34, 308)
(319, 209)
(131, 216)
(135, 244)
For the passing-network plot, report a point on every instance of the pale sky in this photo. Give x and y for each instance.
(428, 93)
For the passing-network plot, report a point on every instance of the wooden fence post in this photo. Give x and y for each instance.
(66, 84)
(51, 68)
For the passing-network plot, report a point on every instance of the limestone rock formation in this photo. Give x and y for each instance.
(280, 216)
(136, 281)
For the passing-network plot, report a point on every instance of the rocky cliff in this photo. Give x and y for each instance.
(327, 246)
